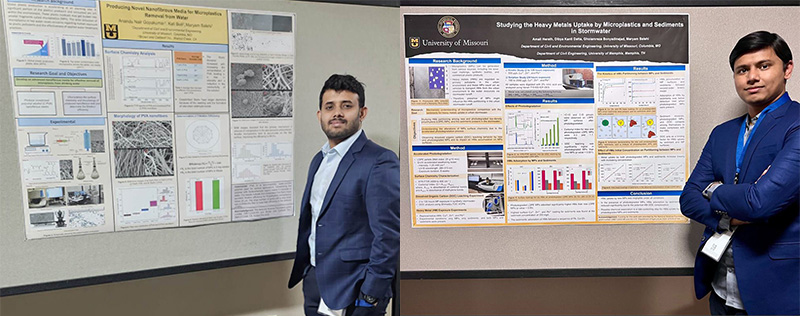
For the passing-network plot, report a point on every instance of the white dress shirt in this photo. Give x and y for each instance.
(331, 157)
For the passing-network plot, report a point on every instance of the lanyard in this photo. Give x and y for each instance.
(741, 146)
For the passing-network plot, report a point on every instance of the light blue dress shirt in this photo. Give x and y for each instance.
(331, 157)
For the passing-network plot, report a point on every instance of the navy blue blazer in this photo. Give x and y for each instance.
(358, 230)
(766, 253)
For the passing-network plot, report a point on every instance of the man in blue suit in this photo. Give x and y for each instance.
(744, 189)
(348, 240)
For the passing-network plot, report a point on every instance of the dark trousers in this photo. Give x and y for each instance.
(717, 306)
(311, 299)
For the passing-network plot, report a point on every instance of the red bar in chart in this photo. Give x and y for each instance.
(544, 182)
(198, 194)
(584, 179)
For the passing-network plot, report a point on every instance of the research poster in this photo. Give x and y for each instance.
(136, 116)
(547, 119)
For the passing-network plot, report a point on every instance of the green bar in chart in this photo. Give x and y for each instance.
(215, 192)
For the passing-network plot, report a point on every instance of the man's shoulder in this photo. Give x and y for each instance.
(730, 125)
(793, 110)
(372, 149)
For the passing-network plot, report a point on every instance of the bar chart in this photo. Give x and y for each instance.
(547, 179)
(533, 130)
(551, 137)
(580, 177)
(77, 47)
(204, 195)
(521, 179)
(551, 179)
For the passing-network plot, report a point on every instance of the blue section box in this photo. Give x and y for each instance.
(640, 68)
(454, 61)
(61, 121)
(548, 65)
(549, 100)
(457, 148)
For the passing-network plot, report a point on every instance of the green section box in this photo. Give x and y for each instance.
(57, 82)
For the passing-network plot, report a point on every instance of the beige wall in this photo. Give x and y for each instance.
(551, 296)
(258, 289)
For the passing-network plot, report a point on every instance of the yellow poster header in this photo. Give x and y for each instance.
(161, 23)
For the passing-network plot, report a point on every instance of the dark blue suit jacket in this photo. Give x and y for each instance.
(358, 230)
(766, 253)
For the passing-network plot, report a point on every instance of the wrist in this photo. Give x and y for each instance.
(368, 298)
(709, 190)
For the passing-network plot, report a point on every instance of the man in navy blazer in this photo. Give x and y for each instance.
(348, 240)
(746, 184)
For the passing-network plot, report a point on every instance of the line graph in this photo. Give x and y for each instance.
(612, 91)
(643, 90)
(147, 80)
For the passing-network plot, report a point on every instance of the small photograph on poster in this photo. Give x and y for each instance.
(261, 90)
(60, 196)
(250, 104)
(68, 218)
(485, 161)
(485, 182)
(97, 142)
(48, 220)
(581, 78)
(247, 77)
(278, 77)
(143, 148)
(426, 82)
(65, 168)
(250, 77)
(84, 194)
(42, 197)
(261, 22)
(86, 218)
(493, 204)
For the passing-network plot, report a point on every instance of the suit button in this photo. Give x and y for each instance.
(703, 239)
(319, 225)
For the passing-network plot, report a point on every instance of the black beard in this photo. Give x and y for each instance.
(342, 134)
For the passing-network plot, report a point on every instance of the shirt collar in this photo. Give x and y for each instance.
(342, 147)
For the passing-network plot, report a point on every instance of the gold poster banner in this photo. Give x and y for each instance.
(162, 23)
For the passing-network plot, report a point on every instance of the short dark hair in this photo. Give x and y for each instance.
(340, 83)
(758, 41)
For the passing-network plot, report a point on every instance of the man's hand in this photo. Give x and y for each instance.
(763, 173)
(736, 222)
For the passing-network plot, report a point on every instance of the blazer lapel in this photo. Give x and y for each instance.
(770, 120)
(344, 165)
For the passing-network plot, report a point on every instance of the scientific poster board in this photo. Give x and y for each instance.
(590, 249)
(137, 115)
(547, 119)
(28, 265)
